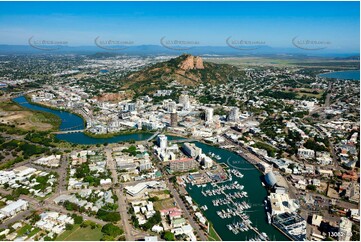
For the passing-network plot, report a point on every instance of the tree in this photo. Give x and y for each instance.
(69, 226)
(107, 238)
(311, 187)
(168, 236)
(108, 216)
(77, 219)
(111, 230)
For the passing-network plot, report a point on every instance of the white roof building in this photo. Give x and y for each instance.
(14, 207)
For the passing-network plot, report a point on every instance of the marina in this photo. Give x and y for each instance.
(235, 206)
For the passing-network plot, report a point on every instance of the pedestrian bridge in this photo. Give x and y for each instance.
(153, 136)
(69, 131)
(182, 140)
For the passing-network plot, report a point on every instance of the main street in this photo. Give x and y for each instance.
(122, 204)
(179, 201)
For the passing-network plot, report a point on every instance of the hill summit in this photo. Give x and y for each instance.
(186, 69)
(191, 63)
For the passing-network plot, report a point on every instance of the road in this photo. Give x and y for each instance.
(18, 217)
(122, 204)
(180, 203)
(62, 171)
(328, 96)
(187, 215)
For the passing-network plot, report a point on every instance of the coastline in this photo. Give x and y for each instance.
(334, 72)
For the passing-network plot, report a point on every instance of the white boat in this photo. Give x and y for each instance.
(265, 236)
(269, 218)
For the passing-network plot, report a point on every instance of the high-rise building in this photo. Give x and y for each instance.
(209, 115)
(345, 229)
(162, 141)
(131, 107)
(233, 115)
(173, 119)
(171, 107)
(184, 100)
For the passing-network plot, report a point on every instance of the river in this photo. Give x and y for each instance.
(251, 180)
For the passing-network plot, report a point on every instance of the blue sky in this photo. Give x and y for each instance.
(209, 23)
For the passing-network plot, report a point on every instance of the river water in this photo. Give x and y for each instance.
(251, 180)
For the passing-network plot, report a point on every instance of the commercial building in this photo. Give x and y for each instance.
(191, 150)
(316, 220)
(292, 224)
(306, 153)
(184, 164)
(162, 141)
(209, 115)
(184, 100)
(136, 189)
(270, 179)
(173, 119)
(345, 229)
(281, 203)
(264, 167)
(171, 107)
(233, 115)
(131, 107)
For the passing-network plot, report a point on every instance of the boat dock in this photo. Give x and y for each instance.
(239, 214)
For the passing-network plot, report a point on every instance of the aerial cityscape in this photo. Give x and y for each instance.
(180, 121)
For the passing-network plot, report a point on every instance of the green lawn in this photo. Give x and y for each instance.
(81, 234)
(212, 236)
(24, 229)
(164, 204)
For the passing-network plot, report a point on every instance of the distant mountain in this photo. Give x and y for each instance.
(146, 50)
(348, 58)
(186, 69)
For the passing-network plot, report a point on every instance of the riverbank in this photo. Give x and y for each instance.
(27, 119)
(112, 135)
(28, 99)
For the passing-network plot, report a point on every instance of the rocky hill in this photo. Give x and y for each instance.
(186, 70)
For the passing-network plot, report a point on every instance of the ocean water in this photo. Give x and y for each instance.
(344, 75)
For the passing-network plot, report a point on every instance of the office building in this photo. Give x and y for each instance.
(233, 115)
(162, 141)
(209, 115)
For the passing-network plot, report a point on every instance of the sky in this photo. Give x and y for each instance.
(207, 23)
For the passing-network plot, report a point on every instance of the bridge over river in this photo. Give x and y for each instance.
(69, 131)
